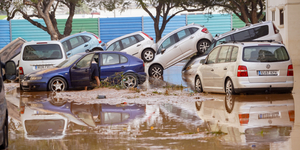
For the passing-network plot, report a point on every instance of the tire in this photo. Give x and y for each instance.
(97, 49)
(229, 103)
(198, 85)
(129, 80)
(229, 88)
(198, 105)
(202, 46)
(5, 134)
(148, 55)
(57, 84)
(156, 71)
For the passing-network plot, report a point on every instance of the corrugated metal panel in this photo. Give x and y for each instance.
(237, 22)
(4, 33)
(215, 23)
(24, 29)
(111, 28)
(79, 25)
(175, 23)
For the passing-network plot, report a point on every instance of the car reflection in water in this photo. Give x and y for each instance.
(249, 119)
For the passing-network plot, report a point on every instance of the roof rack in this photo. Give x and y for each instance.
(270, 41)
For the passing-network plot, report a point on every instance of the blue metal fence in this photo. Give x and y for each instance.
(111, 28)
(4, 33)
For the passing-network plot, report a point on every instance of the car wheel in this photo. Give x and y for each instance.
(229, 103)
(198, 105)
(57, 84)
(229, 88)
(198, 85)
(56, 99)
(148, 55)
(202, 46)
(5, 134)
(129, 80)
(156, 71)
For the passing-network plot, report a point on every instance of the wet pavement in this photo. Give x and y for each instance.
(39, 120)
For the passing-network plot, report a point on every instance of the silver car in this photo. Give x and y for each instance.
(246, 67)
(137, 44)
(178, 45)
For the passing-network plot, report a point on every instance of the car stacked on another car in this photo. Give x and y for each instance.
(137, 44)
(246, 67)
(178, 45)
(80, 42)
(75, 72)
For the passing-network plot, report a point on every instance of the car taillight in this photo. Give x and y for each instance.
(244, 118)
(21, 72)
(97, 38)
(275, 29)
(22, 109)
(143, 65)
(148, 36)
(292, 115)
(290, 71)
(204, 30)
(242, 71)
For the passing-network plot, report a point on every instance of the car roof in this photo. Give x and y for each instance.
(242, 29)
(253, 43)
(42, 42)
(76, 34)
(121, 37)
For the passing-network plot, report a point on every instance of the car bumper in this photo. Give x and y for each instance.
(142, 77)
(36, 85)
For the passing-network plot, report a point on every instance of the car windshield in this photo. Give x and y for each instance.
(42, 52)
(265, 54)
(68, 62)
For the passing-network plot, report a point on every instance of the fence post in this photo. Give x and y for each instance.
(99, 27)
(143, 23)
(231, 25)
(186, 19)
(10, 32)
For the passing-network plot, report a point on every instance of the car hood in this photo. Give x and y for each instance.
(50, 70)
(11, 50)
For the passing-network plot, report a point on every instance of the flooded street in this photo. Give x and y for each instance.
(153, 118)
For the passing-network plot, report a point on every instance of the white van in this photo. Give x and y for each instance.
(37, 55)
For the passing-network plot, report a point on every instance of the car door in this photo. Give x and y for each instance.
(130, 45)
(111, 64)
(207, 69)
(172, 51)
(80, 72)
(77, 45)
(185, 40)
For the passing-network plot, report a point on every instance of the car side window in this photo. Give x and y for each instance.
(234, 54)
(66, 46)
(224, 54)
(139, 37)
(183, 33)
(242, 36)
(193, 30)
(123, 59)
(225, 39)
(128, 41)
(85, 62)
(110, 59)
(114, 47)
(167, 43)
(76, 41)
(261, 31)
(211, 58)
(86, 38)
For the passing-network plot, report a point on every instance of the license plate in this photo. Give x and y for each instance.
(24, 83)
(42, 67)
(268, 73)
(269, 115)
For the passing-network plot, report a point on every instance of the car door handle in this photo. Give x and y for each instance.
(122, 67)
(138, 45)
(212, 70)
(68, 54)
(175, 46)
(86, 45)
(191, 37)
(86, 70)
(225, 68)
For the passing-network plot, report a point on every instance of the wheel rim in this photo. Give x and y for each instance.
(203, 46)
(229, 87)
(148, 55)
(156, 72)
(129, 81)
(58, 85)
(198, 85)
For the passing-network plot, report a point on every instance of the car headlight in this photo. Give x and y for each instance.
(36, 78)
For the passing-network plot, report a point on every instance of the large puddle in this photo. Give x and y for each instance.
(38, 120)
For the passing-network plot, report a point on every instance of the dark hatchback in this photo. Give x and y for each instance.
(75, 72)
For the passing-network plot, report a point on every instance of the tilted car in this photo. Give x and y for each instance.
(80, 42)
(137, 44)
(246, 67)
(178, 45)
(75, 72)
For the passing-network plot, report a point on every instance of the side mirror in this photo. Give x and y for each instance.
(87, 50)
(103, 44)
(202, 61)
(10, 70)
(163, 50)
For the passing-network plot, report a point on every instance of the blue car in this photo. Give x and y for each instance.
(75, 72)
(79, 42)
